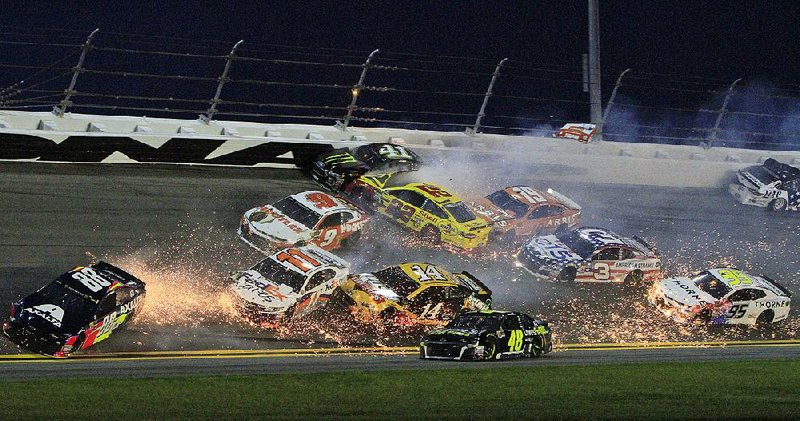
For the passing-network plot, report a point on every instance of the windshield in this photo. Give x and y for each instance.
(275, 272)
(78, 309)
(506, 202)
(762, 174)
(293, 209)
(460, 212)
(711, 285)
(574, 241)
(395, 279)
(475, 322)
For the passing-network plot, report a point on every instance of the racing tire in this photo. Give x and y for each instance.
(765, 318)
(536, 349)
(634, 278)
(490, 347)
(431, 235)
(777, 204)
(567, 274)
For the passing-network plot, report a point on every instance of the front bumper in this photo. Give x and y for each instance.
(746, 196)
(450, 351)
(27, 338)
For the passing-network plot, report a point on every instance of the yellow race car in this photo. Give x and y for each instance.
(411, 294)
(436, 214)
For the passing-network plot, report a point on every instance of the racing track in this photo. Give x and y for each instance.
(174, 227)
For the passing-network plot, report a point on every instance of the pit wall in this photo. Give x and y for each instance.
(44, 137)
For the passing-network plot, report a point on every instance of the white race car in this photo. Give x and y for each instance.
(722, 296)
(288, 284)
(310, 217)
(774, 185)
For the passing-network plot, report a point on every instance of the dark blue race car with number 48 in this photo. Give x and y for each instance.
(488, 335)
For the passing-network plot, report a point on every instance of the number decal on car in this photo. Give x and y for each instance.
(529, 194)
(327, 237)
(321, 200)
(735, 277)
(427, 273)
(602, 271)
(431, 311)
(298, 259)
(90, 279)
(434, 191)
(515, 341)
(399, 210)
(737, 311)
(394, 152)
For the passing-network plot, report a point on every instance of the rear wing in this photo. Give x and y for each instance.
(473, 283)
(777, 285)
(564, 199)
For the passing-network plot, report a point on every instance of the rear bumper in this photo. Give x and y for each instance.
(744, 196)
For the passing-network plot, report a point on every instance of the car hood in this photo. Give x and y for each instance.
(550, 249)
(490, 212)
(280, 228)
(252, 287)
(453, 335)
(684, 291)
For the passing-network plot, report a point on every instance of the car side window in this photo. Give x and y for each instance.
(747, 294)
(319, 278)
(347, 217)
(107, 305)
(333, 220)
(545, 211)
(627, 254)
(510, 322)
(415, 199)
(609, 253)
(434, 209)
(527, 322)
(124, 296)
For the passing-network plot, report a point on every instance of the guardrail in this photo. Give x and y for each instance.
(172, 77)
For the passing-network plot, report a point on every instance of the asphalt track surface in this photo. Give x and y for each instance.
(174, 227)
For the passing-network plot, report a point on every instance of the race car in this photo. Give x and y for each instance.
(590, 254)
(582, 132)
(430, 210)
(488, 335)
(722, 296)
(309, 217)
(523, 211)
(411, 294)
(774, 185)
(77, 310)
(289, 284)
(338, 168)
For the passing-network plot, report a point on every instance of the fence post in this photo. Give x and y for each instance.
(715, 131)
(212, 109)
(61, 108)
(355, 91)
(474, 129)
(599, 132)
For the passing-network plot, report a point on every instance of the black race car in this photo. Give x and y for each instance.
(488, 335)
(337, 168)
(77, 310)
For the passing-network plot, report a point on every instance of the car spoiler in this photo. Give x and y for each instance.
(478, 282)
(777, 285)
(101, 265)
(564, 199)
(647, 245)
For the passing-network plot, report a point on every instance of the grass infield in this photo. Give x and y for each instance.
(749, 389)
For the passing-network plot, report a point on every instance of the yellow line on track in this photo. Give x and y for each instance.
(311, 352)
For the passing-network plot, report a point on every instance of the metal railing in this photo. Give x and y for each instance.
(169, 77)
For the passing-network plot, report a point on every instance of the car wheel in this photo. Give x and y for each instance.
(777, 204)
(765, 318)
(568, 274)
(431, 235)
(489, 347)
(634, 278)
(536, 348)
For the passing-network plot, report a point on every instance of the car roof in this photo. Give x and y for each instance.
(601, 237)
(548, 198)
(324, 258)
(736, 279)
(425, 189)
(409, 276)
(338, 204)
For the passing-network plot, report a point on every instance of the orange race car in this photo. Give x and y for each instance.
(520, 211)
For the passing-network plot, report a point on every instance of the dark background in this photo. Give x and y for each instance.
(683, 56)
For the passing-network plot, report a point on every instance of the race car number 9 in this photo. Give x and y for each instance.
(90, 279)
(321, 200)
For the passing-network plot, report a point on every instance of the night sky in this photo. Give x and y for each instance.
(707, 41)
